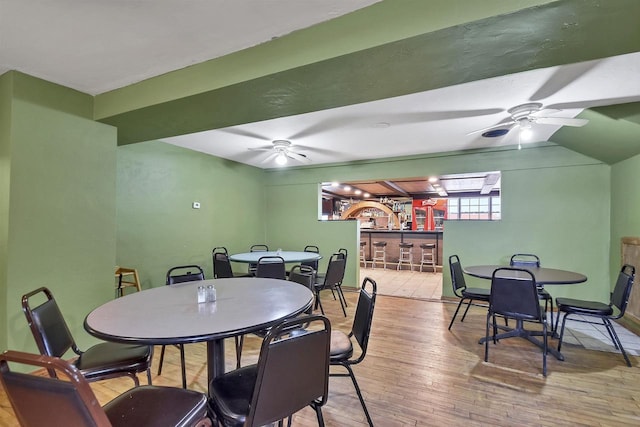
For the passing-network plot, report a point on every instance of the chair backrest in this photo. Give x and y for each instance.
(271, 267)
(361, 328)
(524, 260)
(313, 264)
(457, 275)
(622, 291)
(303, 274)
(47, 324)
(335, 270)
(221, 266)
(259, 248)
(344, 252)
(292, 371)
(515, 297)
(179, 275)
(42, 401)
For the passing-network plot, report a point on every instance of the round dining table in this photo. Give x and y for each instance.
(288, 256)
(543, 276)
(172, 314)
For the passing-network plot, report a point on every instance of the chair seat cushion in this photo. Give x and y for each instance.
(577, 306)
(110, 356)
(157, 406)
(477, 293)
(232, 392)
(341, 346)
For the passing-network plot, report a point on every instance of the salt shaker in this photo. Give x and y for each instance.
(211, 293)
(202, 294)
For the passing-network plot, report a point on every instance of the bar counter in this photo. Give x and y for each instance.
(395, 237)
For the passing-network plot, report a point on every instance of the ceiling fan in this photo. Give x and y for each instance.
(524, 116)
(282, 152)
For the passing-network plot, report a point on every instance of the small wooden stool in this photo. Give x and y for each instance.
(379, 254)
(126, 278)
(428, 255)
(406, 255)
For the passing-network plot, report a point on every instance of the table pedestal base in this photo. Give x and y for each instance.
(520, 332)
(215, 359)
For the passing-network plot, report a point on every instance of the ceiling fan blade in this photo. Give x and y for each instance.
(298, 156)
(265, 148)
(429, 116)
(499, 125)
(244, 132)
(561, 121)
(270, 157)
(593, 103)
(562, 77)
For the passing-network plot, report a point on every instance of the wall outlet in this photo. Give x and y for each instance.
(195, 205)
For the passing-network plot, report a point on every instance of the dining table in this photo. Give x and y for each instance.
(287, 256)
(543, 276)
(172, 315)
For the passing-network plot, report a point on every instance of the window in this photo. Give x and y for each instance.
(474, 208)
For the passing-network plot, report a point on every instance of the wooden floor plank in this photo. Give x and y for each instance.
(417, 373)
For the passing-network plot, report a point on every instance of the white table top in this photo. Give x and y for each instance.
(288, 256)
(171, 314)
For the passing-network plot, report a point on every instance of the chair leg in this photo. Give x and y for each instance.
(486, 338)
(161, 361)
(182, 366)
(343, 302)
(616, 340)
(319, 303)
(466, 310)
(564, 319)
(545, 349)
(318, 409)
(355, 384)
(239, 343)
(456, 313)
(149, 376)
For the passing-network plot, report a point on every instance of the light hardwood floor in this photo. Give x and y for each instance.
(404, 283)
(417, 373)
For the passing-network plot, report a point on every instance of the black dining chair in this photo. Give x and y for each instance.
(515, 298)
(342, 345)
(313, 264)
(332, 281)
(253, 265)
(461, 290)
(531, 260)
(175, 275)
(66, 399)
(292, 372)
(101, 361)
(222, 266)
(271, 267)
(596, 312)
(301, 274)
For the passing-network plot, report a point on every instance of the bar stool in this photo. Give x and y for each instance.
(379, 254)
(126, 278)
(363, 257)
(406, 255)
(428, 255)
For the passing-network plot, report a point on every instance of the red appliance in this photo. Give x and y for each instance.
(429, 214)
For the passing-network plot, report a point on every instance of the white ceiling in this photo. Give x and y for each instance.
(428, 122)
(96, 46)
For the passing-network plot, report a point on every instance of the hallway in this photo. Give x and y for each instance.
(404, 283)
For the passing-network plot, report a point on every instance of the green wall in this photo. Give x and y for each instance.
(546, 192)
(61, 214)
(5, 179)
(157, 226)
(625, 207)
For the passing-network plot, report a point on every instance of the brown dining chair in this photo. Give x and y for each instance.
(292, 372)
(66, 399)
(175, 275)
(101, 361)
